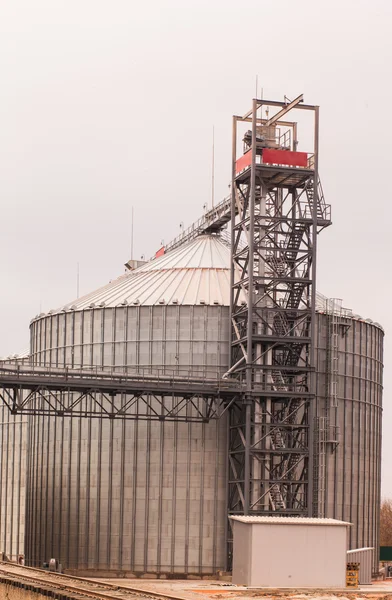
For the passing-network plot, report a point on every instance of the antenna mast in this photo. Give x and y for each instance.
(132, 235)
(213, 168)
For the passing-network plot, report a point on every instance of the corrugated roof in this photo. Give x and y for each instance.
(196, 273)
(289, 520)
(17, 355)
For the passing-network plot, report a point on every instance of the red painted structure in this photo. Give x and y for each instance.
(243, 162)
(270, 156)
(160, 252)
(284, 157)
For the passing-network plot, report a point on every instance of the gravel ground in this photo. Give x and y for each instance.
(216, 590)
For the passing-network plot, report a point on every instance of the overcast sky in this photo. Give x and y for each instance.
(105, 105)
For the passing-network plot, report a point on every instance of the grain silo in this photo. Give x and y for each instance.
(137, 496)
(13, 463)
(348, 424)
(13, 455)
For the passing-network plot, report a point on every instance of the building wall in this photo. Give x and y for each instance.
(242, 553)
(291, 555)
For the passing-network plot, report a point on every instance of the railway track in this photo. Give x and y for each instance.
(70, 586)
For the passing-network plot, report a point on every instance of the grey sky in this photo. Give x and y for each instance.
(109, 104)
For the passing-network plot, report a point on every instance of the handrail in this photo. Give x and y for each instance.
(207, 221)
(10, 377)
(111, 374)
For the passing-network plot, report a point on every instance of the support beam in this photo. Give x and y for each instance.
(285, 110)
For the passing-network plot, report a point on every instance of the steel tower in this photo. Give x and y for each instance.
(277, 209)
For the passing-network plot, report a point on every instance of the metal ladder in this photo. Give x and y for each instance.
(334, 320)
(320, 203)
(275, 493)
(276, 497)
(281, 325)
(276, 438)
(277, 265)
(319, 468)
(292, 358)
(294, 242)
(278, 381)
(295, 295)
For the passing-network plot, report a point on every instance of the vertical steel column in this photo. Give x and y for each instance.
(247, 443)
(232, 223)
(312, 409)
(249, 334)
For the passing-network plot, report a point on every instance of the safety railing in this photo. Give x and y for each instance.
(143, 377)
(124, 374)
(323, 211)
(216, 213)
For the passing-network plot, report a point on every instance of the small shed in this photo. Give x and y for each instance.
(363, 556)
(289, 552)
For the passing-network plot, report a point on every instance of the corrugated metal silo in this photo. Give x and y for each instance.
(135, 496)
(349, 415)
(13, 462)
(151, 497)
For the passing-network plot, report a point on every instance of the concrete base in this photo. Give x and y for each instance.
(112, 574)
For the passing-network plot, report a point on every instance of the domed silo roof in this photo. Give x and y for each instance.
(167, 317)
(196, 273)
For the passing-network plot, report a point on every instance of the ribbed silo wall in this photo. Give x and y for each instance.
(13, 443)
(179, 339)
(13, 455)
(352, 482)
(134, 496)
(131, 496)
